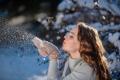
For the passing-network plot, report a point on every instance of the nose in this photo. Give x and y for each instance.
(64, 38)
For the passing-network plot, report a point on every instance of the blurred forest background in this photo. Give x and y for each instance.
(21, 20)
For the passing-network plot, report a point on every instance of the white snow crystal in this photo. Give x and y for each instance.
(113, 62)
(68, 17)
(58, 37)
(62, 30)
(101, 27)
(114, 38)
(69, 27)
(96, 25)
(36, 77)
(44, 22)
(110, 7)
(66, 4)
(115, 9)
(59, 18)
(85, 3)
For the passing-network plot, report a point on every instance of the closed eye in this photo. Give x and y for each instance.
(69, 35)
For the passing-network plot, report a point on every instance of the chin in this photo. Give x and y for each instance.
(65, 49)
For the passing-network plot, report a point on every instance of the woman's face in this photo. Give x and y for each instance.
(71, 43)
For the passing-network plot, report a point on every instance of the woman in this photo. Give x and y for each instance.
(86, 59)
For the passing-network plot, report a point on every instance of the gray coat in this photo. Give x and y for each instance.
(73, 70)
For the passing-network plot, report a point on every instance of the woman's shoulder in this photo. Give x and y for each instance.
(83, 70)
(83, 66)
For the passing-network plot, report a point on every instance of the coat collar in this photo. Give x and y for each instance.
(70, 63)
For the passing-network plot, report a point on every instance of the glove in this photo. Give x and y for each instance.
(45, 48)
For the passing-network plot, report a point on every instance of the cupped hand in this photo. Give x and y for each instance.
(46, 48)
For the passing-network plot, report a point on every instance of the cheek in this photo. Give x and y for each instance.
(71, 46)
(75, 46)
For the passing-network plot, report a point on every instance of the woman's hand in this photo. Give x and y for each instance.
(46, 48)
(40, 46)
(43, 52)
(51, 50)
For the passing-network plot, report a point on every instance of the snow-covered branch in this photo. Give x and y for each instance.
(103, 28)
(107, 28)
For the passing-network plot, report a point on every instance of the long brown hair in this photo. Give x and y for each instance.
(92, 50)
